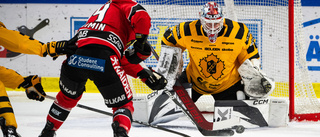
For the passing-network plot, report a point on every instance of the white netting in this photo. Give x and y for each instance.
(267, 20)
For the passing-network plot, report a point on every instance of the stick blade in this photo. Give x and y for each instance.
(223, 132)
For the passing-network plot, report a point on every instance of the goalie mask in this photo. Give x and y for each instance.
(211, 19)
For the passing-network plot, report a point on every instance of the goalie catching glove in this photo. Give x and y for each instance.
(57, 48)
(152, 79)
(141, 50)
(256, 83)
(34, 89)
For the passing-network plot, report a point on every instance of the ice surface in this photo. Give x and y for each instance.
(31, 117)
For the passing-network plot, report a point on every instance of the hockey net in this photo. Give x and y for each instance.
(268, 21)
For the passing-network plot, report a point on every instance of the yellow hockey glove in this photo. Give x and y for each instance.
(34, 89)
(57, 48)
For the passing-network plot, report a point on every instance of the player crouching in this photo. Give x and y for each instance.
(230, 73)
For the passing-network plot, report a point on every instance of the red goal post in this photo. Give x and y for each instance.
(297, 112)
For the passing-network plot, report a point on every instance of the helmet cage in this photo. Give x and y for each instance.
(211, 18)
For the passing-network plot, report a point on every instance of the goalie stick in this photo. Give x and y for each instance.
(193, 113)
(135, 121)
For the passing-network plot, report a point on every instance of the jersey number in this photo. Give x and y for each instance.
(101, 13)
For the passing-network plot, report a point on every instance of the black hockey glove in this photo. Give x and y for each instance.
(138, 53)
(56, 48)
(141, 50)
(152, 79)
(34, 89)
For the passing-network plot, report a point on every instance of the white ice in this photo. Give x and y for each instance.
(31, 116)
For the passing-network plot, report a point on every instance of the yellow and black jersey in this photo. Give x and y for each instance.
(213, 66)
(10, 78)
(17, 42)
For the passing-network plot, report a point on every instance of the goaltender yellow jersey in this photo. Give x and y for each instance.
(213, 66)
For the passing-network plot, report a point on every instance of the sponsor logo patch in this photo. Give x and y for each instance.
(85, 62)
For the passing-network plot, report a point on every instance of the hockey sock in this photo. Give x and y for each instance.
(60, 109)
(123, 115)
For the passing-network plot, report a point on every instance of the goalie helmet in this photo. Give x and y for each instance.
(211, 19)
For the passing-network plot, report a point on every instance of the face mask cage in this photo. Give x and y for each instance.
(211, 26)
(211, 18)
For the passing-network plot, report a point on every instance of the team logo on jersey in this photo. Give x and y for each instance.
(212, 66)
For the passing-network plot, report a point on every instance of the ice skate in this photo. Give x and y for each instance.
(118, 131)
(8, 131)
(48, 130)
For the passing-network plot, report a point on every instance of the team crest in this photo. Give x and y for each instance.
(212, 66)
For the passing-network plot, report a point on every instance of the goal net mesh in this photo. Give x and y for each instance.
(267, 20)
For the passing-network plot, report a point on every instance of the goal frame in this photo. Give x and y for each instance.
(292, 115)
(295, 86)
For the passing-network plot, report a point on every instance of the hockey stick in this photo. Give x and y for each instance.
(135, 121)
(191, 110)
(154, 52)
(199, 120)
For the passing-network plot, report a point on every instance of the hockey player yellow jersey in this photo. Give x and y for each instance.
(17, 42)
(10, 78)
(14, 41)
(213, 66)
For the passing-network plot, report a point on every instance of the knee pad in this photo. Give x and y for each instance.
(71, 88)
(120, 98)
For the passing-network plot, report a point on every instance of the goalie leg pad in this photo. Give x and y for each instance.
(251, 113)
(278, 113)
(164, 110)
(157, 108)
